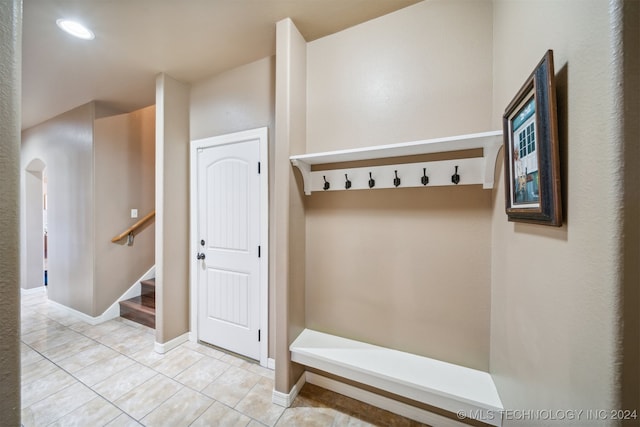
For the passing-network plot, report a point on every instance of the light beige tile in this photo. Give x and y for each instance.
(264, 372)
(176, 361)
(52, 329)
(181, 409)
(124, 381)
(135, 343)
(148, 356)
(87, 357)
(133, 324)
(219, 415)
(236, 361)
(202, 373)
(93, 413)
(49, 384)
(258, 404)
(54, 339)
(127, 340)
(309, 417)
(233, 385)
(80, 326)
(123, 420)
(97, 331)
(57, 405)
(32, 323)
(143, 399)
(103, 369)
(348, 421)
(35, 370)
(77, 324)
(117, 335)
(28, 355)
(70, 348)
(204, 349)
(61, 316)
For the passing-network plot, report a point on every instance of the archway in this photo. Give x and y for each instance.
(34, 274)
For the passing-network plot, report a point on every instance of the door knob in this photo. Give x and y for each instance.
(201, 256)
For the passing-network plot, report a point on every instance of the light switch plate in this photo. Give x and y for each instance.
(134, 213)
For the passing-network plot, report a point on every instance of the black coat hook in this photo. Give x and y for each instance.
(347, 183)
(372, 182)
(396, 180)
(326, 184)
(455, 178)
(425, 178)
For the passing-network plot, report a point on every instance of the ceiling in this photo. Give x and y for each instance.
(137, 39)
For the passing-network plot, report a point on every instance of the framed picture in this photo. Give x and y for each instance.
(532, 168)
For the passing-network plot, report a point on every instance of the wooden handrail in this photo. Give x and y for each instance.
(134, 227)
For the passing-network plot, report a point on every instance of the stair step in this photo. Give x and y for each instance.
(148, 288)
(149, 282)
(140, 310)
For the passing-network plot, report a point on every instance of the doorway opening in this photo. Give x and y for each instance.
(229, 234)
(37, 244)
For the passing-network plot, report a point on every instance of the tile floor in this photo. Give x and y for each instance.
(76, 374)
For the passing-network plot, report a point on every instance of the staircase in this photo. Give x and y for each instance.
(142, 309)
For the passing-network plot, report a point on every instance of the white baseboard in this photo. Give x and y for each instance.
(271, 364)
(33, 291)
(286, 399)
(135, 290)
(171, 344)
(382, 402)
(80, 315)
(114, 310)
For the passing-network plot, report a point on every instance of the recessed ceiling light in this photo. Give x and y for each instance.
(75, 29)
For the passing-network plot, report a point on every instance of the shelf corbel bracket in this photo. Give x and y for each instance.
(490, 155)
(305, 170)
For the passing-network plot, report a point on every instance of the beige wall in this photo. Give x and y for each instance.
(65, 145)
(407, 269)
(629, 102)
(124, 171)
(10, 66)
(233, 101)
(172, 208)
(97, 169)
(289, 225)
(237, 100)
(418, 73)
(555, 308)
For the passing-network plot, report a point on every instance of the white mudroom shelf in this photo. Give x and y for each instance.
(444, 385)
(475, 170)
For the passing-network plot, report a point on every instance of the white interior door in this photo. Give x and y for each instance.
(229, 247)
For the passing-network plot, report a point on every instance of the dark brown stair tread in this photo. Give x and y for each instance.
(149, 293)
(137, 303)
(145, 319)
(141, 309)
(149, 282)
